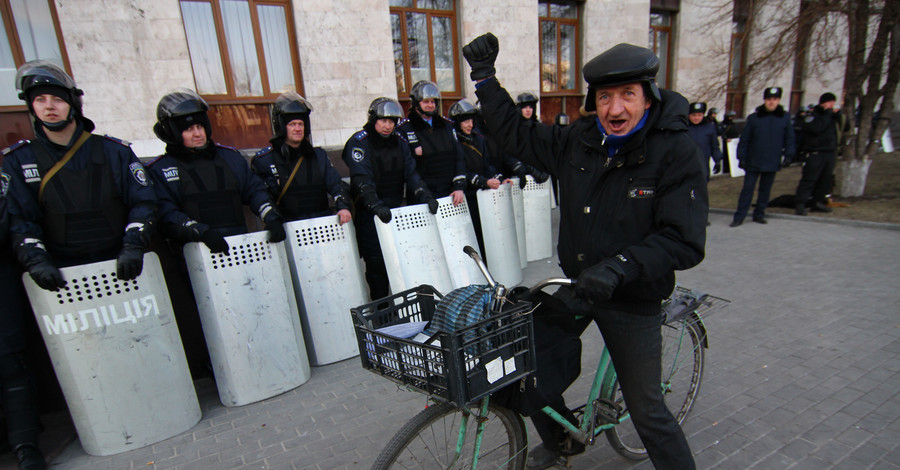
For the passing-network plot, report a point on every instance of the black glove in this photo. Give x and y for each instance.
(539, 176)
(46, 274)
(432, 204)
(215, 241)
(481, 54)
(598, 282)
(717, 167)
(130, 262)
(383, 212)
(523, 180)
(276, 230)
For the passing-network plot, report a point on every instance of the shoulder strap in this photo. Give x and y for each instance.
(65, 159)
(289, 181)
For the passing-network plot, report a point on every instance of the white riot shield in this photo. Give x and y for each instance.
(519, 212)
(732, 158)
(456, 230)
(498, 227)
(250, 318)
(412, 249)
(538, 230)
(328, 282)
(117, 354)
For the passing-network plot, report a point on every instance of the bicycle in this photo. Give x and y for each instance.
(440, 436)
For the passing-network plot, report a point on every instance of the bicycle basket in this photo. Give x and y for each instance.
(684, 302)
(459, 367)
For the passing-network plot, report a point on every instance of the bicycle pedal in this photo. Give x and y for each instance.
(606, 411)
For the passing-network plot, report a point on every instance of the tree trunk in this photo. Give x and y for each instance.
(853, 180)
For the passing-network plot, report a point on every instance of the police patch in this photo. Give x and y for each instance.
(137, 170)
(171, 173)
(358, 154)
(31, 173)
(4, 184)
(641, 193)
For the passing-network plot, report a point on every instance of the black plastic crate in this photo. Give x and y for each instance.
(458, 371)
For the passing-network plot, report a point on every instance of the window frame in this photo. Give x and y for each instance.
(15, 44)
(544, 15)
(429, 13)
(268, 96)
(668, 29)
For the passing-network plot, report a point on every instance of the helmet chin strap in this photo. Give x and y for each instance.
(58, 126)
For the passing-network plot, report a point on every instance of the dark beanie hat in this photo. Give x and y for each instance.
(182, 123)
(826, 97)
(57, 91)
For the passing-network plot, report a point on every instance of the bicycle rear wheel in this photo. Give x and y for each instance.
(429, 440)
(682, 371)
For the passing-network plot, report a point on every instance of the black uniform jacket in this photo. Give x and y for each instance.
(647, 203)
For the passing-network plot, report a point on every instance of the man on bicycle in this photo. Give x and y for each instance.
(633, 205)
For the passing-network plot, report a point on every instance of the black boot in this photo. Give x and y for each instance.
(820, 207)
(30, 457)
(801, 209)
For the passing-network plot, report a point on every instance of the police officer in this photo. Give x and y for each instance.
(526, 103)
(299, 177)
(432, 140)
(74, 197)
(703, 133)
(380, 163)
(633, 205)
(202, 185)
(17, 391)
(479, 171)
(767, 144)
(821, 129)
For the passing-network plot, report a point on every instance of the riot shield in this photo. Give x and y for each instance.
(519, 213)
(250, 318)
(498, 226)
(328, 282)
(456, 230)
(117, 354)
(412, 249)
(538, 230)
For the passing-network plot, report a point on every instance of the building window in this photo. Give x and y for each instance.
(559, 46)
(661, 44)
(31, 32)
(425, 45)
(241, 50)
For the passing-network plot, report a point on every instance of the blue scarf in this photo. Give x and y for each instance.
(616, 142)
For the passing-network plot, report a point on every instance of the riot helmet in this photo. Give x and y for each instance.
(423, 90)
(177, 111)
(526, 99)
(462, 110)
(288, 107)
(39, 77)
(385, 108)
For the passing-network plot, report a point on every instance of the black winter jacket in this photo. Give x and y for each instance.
(647, 203)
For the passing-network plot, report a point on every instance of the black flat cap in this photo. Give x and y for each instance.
(698, 107)
(772, 92)
(621, 64)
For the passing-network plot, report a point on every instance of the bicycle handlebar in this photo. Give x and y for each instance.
(553, 281)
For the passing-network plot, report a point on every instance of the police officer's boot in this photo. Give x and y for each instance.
(801, 209)
(30, 457)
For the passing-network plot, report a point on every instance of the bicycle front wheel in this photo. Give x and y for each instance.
(682, 371)
(431, 440)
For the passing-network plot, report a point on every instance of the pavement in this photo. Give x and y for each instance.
(802, 371)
